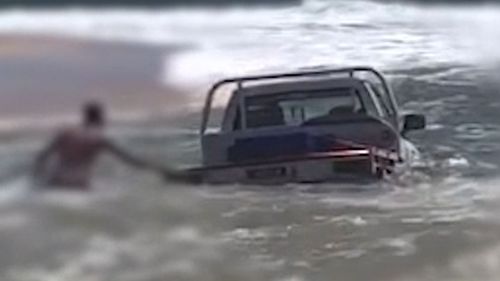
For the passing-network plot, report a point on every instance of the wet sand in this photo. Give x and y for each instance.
(49, 77)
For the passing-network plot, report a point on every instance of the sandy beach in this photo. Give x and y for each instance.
(50, 77)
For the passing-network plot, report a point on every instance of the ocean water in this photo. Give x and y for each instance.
(438, 223)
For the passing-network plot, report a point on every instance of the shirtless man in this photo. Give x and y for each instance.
(68, 160)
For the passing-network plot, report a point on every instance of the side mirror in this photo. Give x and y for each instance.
(413, 122)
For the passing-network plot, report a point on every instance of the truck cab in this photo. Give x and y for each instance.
(297, 115)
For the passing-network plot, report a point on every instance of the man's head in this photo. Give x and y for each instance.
(93, 114)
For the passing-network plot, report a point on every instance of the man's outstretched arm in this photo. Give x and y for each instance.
(168, 173)
(128, 158)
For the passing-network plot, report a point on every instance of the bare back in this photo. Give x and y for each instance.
(72, 155)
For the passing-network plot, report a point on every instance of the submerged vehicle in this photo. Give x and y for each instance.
(307, 127)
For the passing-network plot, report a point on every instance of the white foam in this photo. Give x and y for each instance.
(230, 42)
(14, 190)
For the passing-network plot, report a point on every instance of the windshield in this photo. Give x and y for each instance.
(297, 108)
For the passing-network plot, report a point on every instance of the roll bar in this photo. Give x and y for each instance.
(351, 71)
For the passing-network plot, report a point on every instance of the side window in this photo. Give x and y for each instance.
(373, 106)
(381, 101)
